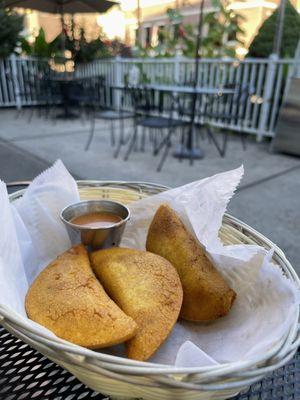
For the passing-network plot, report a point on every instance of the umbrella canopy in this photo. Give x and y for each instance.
(62, 6)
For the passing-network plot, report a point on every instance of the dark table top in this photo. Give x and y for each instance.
(69, 78)
(176, 89)
(26, 374)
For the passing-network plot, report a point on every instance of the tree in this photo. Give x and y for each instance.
(11, 25)
(40, 47)
(224, 31)
(262, 44)
(223, 34)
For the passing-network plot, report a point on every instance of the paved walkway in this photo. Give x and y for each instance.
(268, 198)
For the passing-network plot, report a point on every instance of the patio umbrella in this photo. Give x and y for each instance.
(63, 7)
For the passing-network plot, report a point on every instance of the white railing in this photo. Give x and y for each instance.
(267, 77)
(19, 80)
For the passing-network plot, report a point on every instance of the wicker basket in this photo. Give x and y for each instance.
(126, 379)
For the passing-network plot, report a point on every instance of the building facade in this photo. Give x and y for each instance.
(151, 15)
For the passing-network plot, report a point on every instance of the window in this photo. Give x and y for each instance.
(160, 34)
(136, 37)
(148, 36)
(175, 30)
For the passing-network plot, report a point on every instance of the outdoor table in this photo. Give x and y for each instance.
(175, 89)
(189, 150)
(26, 374)
(65, 84)
(178, 89)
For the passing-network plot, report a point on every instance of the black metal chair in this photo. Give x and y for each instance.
(42, 92)
(103, 109)
(30, 91)
(224, 108)
(157, 112)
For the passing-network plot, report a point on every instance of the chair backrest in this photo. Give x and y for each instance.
(100, 94)
(240, 99)
(225, 107)
(144, 100)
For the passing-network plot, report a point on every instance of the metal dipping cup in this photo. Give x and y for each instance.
(95, 238)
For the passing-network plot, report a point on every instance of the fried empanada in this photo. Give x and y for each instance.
(67, 298)
(146, 287)
(206, 295)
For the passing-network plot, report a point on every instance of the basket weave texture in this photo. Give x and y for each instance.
(126, 379)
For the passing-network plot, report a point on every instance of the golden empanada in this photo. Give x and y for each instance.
(206, 295)
(147, 288)
(67, 298)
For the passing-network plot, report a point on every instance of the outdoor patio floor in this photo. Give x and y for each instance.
(268, 197)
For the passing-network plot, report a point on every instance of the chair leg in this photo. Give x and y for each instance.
(19, 112)
(121, 139)
(198, 134)
(225, 140)
(81, 112)
(136, 144)
(208, 136)
(112, 133)
(131, 143)
(162, 143)
(182, 142)
(165, 153)
(92, 131)
(159, 146)
(244, 141)
(154, 141)
(117, 151)
(211, 135)
(143, 140)
(193, 129)
(122, 131)
(31, 111)
(52, 112)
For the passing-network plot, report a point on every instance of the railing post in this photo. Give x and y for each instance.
(267, 95)
(177, 68)
(15, 80)
(118, 81)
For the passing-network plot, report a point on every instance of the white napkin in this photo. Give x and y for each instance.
(33, 235)
(13, 281)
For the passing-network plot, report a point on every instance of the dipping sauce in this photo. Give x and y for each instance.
(96, 220)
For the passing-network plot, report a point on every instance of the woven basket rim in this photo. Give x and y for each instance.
(284, 349)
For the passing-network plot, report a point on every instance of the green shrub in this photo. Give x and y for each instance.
(40, 47)
(11, 25)
(262, 44)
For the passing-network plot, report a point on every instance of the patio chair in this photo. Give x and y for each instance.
(102, 109)
(154, 111)
(78, 94)
(30, 92)
(53, 99)
(41, 91)
(224, 108)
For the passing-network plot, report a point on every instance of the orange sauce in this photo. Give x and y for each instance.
(96, 220)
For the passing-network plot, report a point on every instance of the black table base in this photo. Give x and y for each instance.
(191, 154)
(26, 374)
(67, 115)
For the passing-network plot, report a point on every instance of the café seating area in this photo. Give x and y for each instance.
(158, 114)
